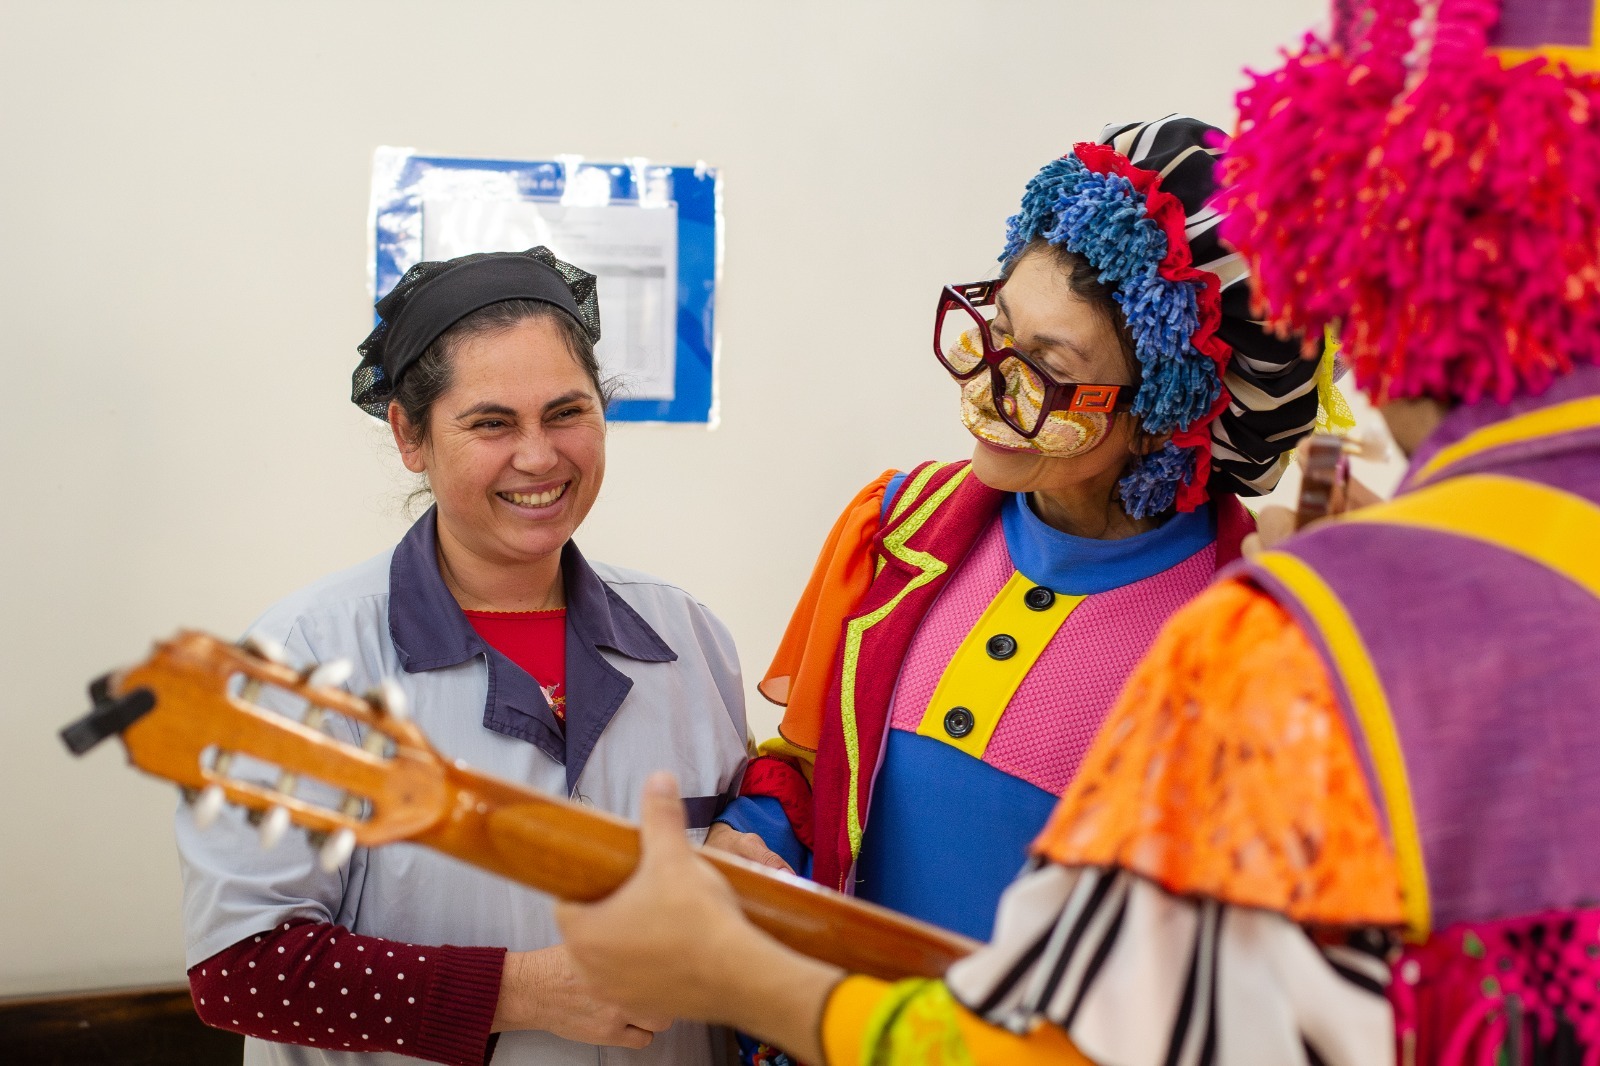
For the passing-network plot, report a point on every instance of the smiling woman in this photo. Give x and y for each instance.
(517, 655)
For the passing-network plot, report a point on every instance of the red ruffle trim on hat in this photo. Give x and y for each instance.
(1177, 265)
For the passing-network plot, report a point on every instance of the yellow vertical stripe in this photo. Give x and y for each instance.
(978, 681)
(1371, 707)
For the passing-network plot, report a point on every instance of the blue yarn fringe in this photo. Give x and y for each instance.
(1103, 218)
(1151, 487)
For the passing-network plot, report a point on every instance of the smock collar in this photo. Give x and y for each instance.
(430, 632)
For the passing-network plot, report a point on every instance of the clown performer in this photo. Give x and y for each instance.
(1344, 812)
(970, 623)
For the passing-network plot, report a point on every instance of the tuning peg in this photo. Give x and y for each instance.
(331, 674)
(208, 806)
(1370, 445)
(273, 826)
(336, 852)
(390, 699)
(286, 783)
(264, 646)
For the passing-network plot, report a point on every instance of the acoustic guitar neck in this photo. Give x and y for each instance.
(185, 714)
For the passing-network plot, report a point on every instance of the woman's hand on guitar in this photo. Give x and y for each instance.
(543, 990)
(1326, 489)
(658, 942)
(725, 837)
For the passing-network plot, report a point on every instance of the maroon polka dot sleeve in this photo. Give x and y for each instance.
(320, 985)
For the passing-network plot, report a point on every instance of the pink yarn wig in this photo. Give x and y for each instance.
(1438, 207)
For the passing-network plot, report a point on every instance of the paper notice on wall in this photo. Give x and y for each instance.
(632, 250)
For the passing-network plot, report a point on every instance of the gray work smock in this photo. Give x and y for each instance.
(652, 683)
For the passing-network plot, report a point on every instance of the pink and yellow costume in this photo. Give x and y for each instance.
(954, 656)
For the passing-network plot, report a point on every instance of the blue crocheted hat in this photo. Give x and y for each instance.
(1233, 398)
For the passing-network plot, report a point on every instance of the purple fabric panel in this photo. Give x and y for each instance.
(1583, 381)
(1488, 660)
(1532, 23)
(1575, 470)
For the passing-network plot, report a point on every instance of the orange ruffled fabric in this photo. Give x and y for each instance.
(1226, 770)
(802, 669)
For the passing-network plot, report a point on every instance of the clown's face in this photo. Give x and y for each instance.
(1074, 340)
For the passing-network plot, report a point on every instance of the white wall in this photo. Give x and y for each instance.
(182, 283)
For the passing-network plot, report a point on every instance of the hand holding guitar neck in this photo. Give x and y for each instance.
(1326, 488)
(178, 718)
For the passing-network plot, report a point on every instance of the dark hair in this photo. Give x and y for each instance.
(431, 375)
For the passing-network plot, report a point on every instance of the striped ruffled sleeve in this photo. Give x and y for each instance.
(1136, 976)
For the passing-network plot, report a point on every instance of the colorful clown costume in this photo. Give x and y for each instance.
(977, 670)
(1367, 753)
(953, 655)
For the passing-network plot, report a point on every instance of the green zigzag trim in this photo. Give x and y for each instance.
(931, 568)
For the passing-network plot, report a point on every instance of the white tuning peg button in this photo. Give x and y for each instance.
(337, 851)
(332, 674)
(208, 806)
(273, 826)
(1371, 446)
(267, 648)
(393, 699)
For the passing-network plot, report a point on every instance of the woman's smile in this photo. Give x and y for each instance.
(534, 502)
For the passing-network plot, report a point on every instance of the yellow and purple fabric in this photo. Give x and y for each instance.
(1509, 494)
(1561, 31)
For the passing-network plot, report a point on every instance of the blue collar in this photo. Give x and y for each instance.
(429, 632)
(1081, 566)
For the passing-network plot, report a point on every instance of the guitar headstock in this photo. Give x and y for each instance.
(191, 709)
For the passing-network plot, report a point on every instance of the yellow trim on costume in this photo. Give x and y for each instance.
(909, 491)
(1333, 410)
(1546, 525)
(845, 1016)
(1545, 422)
(868, 1022)
(982, 684)
(1578, 57)
(1371, 707)
(931, 568)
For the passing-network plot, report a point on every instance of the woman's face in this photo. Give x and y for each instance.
(515, 451)
(1074, 341)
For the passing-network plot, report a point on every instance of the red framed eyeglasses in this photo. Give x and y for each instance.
(1025, 394)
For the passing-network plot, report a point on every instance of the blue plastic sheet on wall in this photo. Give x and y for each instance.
(406, 185)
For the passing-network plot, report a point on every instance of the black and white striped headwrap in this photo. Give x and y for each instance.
(1272, 390)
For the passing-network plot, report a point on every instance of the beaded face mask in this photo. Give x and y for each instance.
(1007, 399)
(1062, 435)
